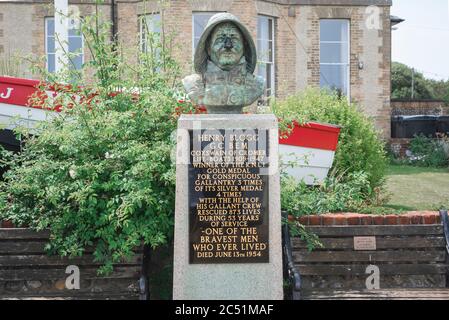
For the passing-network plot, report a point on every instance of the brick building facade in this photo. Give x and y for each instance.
(300, 30)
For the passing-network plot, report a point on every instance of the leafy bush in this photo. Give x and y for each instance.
(10, 65)
(424, 88)
(100, 173)
(428, 152)
(333, 195)
(359, 147)
(401, 83)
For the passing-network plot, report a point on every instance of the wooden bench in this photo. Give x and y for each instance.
(412, 261)
(27, 272)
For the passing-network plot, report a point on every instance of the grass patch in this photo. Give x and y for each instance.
(409, 170)
(417, 188)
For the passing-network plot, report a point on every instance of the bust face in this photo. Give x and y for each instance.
(226, 45)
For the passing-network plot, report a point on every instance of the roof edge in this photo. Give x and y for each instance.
(334, 2)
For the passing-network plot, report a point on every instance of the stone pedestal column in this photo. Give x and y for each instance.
(228, 220)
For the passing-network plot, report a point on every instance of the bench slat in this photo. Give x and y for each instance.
(381, 243)
(369, 256)
(359, 270)
(396, 294)
(57, 287)
(52, 274)
(43, 260)
(398, 281)
(17, 247)
(23, 233)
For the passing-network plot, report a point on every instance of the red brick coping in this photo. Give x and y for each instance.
(354, 219)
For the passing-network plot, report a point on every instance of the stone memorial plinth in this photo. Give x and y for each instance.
(228, 219)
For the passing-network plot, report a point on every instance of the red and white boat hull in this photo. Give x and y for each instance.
(15, 109)
(311, 148)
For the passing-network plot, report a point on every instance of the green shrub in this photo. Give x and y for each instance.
(100, 173)
(359, 147)
(333, 195)
(428, 152)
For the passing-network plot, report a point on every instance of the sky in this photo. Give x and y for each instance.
(422, 40)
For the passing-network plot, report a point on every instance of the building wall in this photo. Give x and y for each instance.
(419, 107)
(297, 46)
(369, 86)
(16, 38)
(23, 26)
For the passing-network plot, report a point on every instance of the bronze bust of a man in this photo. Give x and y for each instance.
(225, 59)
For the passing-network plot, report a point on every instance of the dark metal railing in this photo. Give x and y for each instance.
(144, 283)
(291, 274)
(445, 222)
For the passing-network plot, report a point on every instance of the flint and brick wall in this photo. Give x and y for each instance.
(419, 107)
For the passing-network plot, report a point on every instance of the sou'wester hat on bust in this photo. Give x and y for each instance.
(201, 55)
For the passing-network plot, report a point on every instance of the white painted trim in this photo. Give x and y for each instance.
(61, 33)
(315, 157)
(312, 170)
(13, 115)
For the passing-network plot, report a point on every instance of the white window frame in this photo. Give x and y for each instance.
(194, 13)
(46, 19)
(273, 54)
(348, 64)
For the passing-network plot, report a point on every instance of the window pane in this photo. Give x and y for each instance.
(199, 22)
(195, 42)
(334, 30)
(50, 26)
(334, 50)
(77, 61)
(262, 27)
(74, 28)
(270, 29)
(334, 53)
(270, 51)
(51, 62)
(50, 45)
(149, 24)
(269, 80)
(152, 23)
(334, 77)
(263, 50)
(75, 44)
(262, 70)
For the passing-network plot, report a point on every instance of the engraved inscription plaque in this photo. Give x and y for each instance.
(364, 243)
(228, 196)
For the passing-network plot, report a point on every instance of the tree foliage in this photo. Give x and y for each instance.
(100, 173)
(402, 78)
